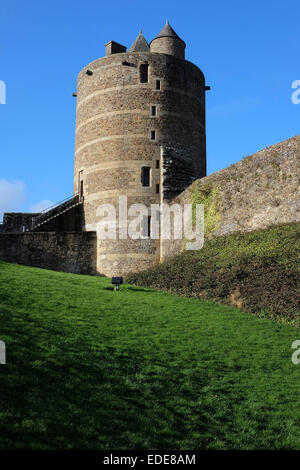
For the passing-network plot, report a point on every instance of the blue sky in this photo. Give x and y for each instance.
(248, 51)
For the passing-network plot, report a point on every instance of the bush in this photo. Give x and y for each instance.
(257, 272)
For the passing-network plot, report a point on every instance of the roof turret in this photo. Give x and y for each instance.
(168, 42)
(140, 44)
(167, 32)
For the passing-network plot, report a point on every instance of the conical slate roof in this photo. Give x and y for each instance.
(140, 44)
(168, 32)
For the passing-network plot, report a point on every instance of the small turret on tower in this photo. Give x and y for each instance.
(168, 42)
(140, 44)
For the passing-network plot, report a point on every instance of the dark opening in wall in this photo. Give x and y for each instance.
(153, 135)
(145, 176)
(157, 189)
(157, 164)
(158, 84)
(149, 225)
(153, 110)
(144, 73)
(146, 226)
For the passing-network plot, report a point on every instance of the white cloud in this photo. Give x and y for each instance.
(12, 195)
(40, 206)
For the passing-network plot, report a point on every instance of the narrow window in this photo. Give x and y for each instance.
(158, 84)
(145, 176)
(146, 226)
(157, 189)
(157, 164)
(152, 135)
(80, 183)
(153, 110)
(144, 73)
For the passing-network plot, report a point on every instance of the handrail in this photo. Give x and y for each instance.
(57, 204)
(63, 205)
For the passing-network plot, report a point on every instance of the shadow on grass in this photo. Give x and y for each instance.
(65, 396)
(140, 289)
(131, 288)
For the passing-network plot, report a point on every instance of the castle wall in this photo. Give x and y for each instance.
(70, 221)
(17, 221)
(113, 140)
(70, 252)
(177, 171)
(260, 190)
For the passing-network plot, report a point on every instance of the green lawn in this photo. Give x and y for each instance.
(90, 368)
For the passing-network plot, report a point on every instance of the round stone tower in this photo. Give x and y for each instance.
(140, 133)
(168, 42)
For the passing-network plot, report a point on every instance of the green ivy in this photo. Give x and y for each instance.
(207, 194)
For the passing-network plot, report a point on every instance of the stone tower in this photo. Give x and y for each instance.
(140, 133)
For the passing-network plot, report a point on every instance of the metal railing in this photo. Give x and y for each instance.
(55, 210)
(69, 198)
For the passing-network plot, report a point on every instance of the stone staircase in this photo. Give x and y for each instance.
(55, 211)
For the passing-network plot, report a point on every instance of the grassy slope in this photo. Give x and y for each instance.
(138, 369)
(257, 271)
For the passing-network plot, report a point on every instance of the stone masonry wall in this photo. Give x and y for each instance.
(178, 171)
(70, 252)
(70, 221)
(166, 45)
(121, 126)
(258, 191)
(17, 221)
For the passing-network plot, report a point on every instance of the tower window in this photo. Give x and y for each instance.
(80, 184)
(153, 110)
(158, 84)
(144, 73)
(149, 225)
(157, 189)
(146, 226)
(145, 176)
(157, 164)
(153, 135)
